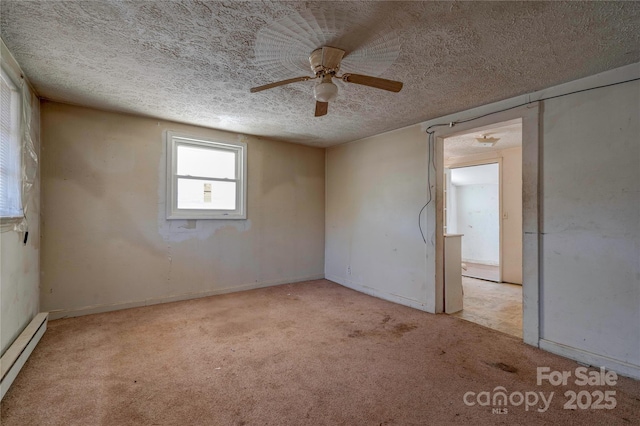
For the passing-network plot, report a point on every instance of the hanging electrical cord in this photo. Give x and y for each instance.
(430, 161)
(431, 133)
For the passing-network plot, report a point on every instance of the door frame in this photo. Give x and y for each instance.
(531, 209)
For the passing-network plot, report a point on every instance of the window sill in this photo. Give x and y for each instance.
(190, 216)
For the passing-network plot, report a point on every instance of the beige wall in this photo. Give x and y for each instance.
(590, 281)
(511, 206)
(19, 270)
(107, 244)
(587, 293)
(375, 190)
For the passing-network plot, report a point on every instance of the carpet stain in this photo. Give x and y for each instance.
(503, 367)
(334, 366)
(385, 319)
(400, 329)
(356, 333)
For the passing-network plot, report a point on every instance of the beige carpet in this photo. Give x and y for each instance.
(312, 353)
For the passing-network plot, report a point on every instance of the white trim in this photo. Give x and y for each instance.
(96, 309)
(16, 356)
(472, 163)
(172, 140)
(589, 358)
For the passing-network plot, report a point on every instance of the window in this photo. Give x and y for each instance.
(10, 152)
(206, 179)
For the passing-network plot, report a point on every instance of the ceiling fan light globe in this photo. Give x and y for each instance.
(325, 92)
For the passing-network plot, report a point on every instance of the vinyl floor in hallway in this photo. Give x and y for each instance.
(494, 305)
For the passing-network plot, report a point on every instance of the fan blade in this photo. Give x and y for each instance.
(378, 83)
(321, 108)
(278, 83)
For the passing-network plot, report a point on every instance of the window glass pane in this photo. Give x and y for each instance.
(206, 162)
(206, 195)
(10, 161)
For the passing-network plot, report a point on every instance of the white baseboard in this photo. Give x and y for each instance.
(14, 358)
(412, 303)
(594, 360)
(96, 309)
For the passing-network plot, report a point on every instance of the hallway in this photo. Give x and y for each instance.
(493, 305)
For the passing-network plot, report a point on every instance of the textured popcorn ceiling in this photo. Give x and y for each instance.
(194, 61)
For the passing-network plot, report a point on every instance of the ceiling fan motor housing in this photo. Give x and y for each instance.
(326, 60)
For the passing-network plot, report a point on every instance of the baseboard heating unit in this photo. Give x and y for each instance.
(20, 350)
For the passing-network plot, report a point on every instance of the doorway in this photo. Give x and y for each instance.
(473, 210)
(482, 206)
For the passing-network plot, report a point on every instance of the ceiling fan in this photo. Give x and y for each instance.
(325, 64)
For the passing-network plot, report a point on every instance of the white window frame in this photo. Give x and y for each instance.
(16, 150)
(173, 140)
